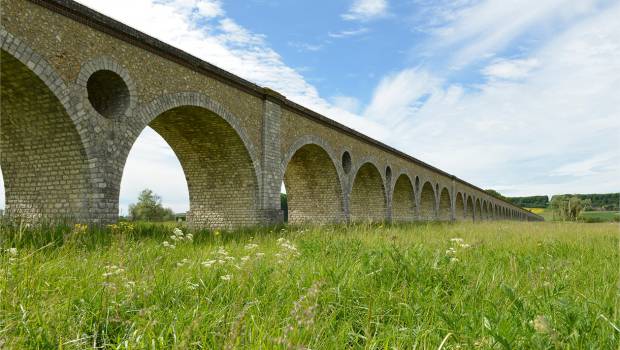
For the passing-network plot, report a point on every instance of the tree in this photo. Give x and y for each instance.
(495, 194)
(568, 208)
(149, 208)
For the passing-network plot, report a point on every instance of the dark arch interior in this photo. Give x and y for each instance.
(427, 202)
(44, 164)
(459, 207)
(108, 93)
(403, 200)
(312, 186)
(445, 210)
(367, 201)
(346, 162)
(470, 210)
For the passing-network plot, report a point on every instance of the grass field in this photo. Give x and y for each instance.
(452, 286)
(586, 216)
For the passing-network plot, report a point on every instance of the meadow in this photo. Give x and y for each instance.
(494, 285)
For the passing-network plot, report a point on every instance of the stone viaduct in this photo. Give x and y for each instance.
(77, 88)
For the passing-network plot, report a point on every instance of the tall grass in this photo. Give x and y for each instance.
(499, 285)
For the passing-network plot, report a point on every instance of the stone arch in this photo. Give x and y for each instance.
(44, 162)
(219, 161)
(445, 205)
(459, 207)
(479, 213)
(428, 208)
(403, 199)
(485, 210)
(471, 212)
(367, 201)
(313, 185)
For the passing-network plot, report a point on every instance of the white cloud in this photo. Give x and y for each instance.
(546, 127)
(347, 33)
(348, 103)
(479, 29)
(510, 69)
(364, 10)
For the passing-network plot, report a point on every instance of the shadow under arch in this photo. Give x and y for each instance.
(367, 201)
(445, 205)
(459, 207)
(44, 161)
(403, 199)
(313, 185)
(428, 210)
(470, 210)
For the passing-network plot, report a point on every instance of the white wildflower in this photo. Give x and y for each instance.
(208, 263)
(177, 232)
(450, 251)
(250, 246)
(245, 258)
(464, 245)
(12, 251)
(454, 260)
(226, 277)
(456, 240)
(259, 255)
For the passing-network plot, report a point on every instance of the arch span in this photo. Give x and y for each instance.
(459, 207)
(221, 179)
(403, 200)
(445, 205)
(428, 209)
(313, 187)
(43, 159)
(367, 201)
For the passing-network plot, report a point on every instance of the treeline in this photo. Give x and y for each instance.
(600, 201)
(530, 202)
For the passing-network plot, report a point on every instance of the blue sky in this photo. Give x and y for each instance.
(520, 96)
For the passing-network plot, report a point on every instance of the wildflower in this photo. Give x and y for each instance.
(208, 263)
(456, 240)
(192, 286)
(226, 277)
(12, 251)
(454, 260)
(259, 254)
(250, 246)
(541, 324)
(177, 232)
(450, 251)
(245, 258)
(464, 245)
(168, 245)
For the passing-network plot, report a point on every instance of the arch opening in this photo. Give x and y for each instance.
(479, 213)
(367, 201)
(153, 165)
(445, 205)
(44, 164)
(403, 200)
(313, 189)
(346, 162)
(427, 202)
(471, 211)
(220, 175)
(459, 207)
